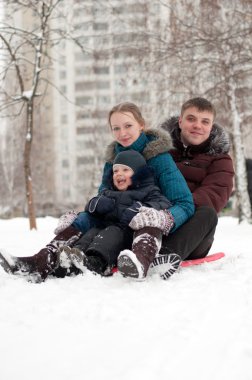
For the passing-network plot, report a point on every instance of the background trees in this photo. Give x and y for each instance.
(155, 53)
(26, 53)
(210, 42)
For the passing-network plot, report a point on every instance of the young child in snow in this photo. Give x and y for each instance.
(130, 188)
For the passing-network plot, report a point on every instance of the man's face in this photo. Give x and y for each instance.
(195, 126)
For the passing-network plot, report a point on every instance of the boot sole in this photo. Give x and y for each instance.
(165, 265)
(129, 266)
(7, 263)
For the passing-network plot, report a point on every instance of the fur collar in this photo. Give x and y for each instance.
(218, 142)
(161, 143)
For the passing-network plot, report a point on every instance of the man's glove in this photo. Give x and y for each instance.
(65, 221)
(100, 205)
(129, 213)
(149, 217)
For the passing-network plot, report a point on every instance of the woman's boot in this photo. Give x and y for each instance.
(40, 265)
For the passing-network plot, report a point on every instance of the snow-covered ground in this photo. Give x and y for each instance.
(197, 325)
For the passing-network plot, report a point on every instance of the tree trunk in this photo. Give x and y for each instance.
(240, 163)
(27, 165)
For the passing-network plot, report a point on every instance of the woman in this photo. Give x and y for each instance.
(130, 188)
(129, 131)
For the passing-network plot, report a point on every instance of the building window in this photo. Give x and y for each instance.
(82, 57)
(82, 86)
(65, 163)
(66, 193)
(84, 100)
(63, 119)
(100, 26)
(82, 115)
(83, 70)
(63, 89)
(103, 100)
(62, 60)
(84, 130)
(83, 26)
(85, 160)
(62, 74)
(101, 70)
(120, 69)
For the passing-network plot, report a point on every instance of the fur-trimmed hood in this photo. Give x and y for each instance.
(160, 142)
(218, 142)
(141, 178)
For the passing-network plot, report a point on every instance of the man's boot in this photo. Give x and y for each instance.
(165, 265)
(136, 262)
(40, 265)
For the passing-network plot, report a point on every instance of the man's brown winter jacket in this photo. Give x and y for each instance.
(207, 168)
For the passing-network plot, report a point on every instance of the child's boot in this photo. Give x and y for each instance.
(136, 262)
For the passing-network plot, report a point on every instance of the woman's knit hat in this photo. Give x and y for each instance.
(130, 158)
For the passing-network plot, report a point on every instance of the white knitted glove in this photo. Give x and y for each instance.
(149, 217)
(65, 221)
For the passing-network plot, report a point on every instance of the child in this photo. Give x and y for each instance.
(129, 188)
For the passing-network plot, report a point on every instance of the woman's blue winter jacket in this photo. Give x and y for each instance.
(154, 145)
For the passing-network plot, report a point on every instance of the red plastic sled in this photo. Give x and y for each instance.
(188, 263)
(207, 259)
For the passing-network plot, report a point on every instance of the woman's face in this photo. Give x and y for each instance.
(125, 128)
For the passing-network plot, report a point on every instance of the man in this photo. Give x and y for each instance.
(201, 153)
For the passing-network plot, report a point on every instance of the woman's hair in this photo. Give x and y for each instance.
(127, 107)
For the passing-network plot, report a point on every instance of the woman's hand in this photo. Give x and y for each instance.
(149, 217)
(65, 221)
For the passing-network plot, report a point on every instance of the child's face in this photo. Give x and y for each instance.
(122, 176)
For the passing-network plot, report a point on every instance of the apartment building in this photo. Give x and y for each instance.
(106, 71)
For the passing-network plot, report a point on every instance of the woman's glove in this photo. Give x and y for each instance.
(100, 204)
(149, 217)
(129, 213)
(65, 221)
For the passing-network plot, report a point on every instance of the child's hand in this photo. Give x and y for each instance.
(101, 205)
(129, 213)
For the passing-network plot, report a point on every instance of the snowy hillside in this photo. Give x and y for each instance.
(195, 326)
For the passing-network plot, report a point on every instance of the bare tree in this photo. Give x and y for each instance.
(30, 33)
(26, 55)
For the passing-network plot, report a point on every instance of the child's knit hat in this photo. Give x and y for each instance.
(130, 158)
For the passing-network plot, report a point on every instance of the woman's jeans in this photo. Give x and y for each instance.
(84, 222)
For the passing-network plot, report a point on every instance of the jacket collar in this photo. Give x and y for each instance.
(217, 143)
(150, 143)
